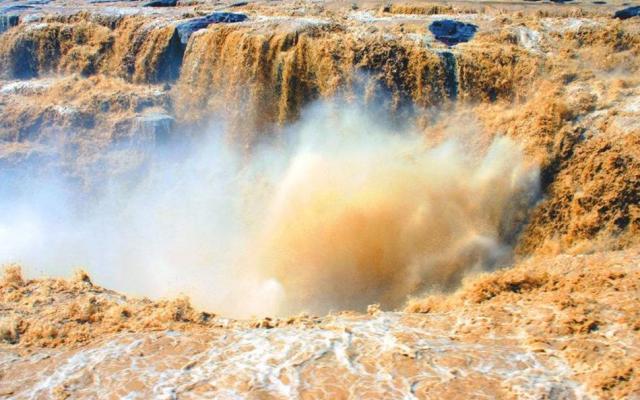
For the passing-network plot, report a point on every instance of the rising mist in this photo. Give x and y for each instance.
(340, 212)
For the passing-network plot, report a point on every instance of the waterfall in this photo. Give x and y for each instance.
(450, 65)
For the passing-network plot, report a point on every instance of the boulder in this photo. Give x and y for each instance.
(628, 12)
(161, 3)
(109, 1)
(451, 32)
(187, 28)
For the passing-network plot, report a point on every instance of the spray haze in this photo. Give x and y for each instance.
(343, 212)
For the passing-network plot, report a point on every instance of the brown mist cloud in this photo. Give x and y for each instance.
(366, 216)
(344, 212)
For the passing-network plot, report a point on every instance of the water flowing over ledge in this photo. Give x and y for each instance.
(480, 181)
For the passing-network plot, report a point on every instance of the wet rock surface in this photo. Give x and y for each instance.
(187, 28)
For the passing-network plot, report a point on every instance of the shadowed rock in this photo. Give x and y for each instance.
(109, 1)
(22, 60)
(169, 61)
(187, 28)
(15, 8)
(628, 12)
(452, 32)
(161, 3)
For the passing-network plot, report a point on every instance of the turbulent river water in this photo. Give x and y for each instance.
(390, 355)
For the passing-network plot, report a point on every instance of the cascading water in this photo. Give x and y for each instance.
(451, 74)
(303, 158)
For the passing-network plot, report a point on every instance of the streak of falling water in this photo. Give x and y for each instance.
(451, 70)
